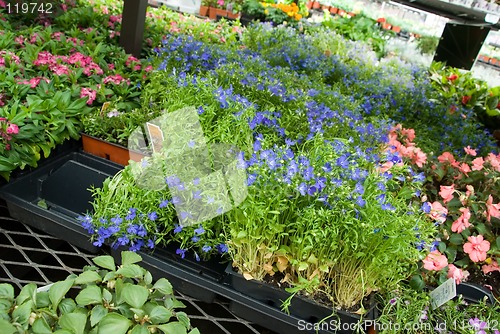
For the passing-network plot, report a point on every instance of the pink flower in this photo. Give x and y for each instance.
(492, 210)
(116, 79)
(457, 274)
(446, 157)
(438, 212)
(477, 164)
(90, 93)
(462, 222)
(418, 157)
(148, 68)
(409, 133)
(435, 261)
(220, 2)
(446, 193)
(470, 151)
(477, 248)
(59, 69)
(12, 129)
(464, 168)
(494, 161)
(488, 268)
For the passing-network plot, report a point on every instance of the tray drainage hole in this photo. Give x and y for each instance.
(270, 302)
(106, 156)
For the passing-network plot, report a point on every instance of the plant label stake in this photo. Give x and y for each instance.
(443, 293)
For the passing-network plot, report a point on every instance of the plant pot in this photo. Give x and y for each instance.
(109, 151)
(341, 12)
(220, 13)
(474, 293)
(333, 10)
(309, 5)
(325, 7)
(316, 5)
(396, 29)
(212, 13)
(386, 26)
(301, 307)
(62, 185)
(203, 10)
(233, 16)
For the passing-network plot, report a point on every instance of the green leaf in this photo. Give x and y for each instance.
(58, 290)
(113, 323)
(74, 322)
(140, 329)
(67, 305)
(498, 243)
(6, 291)
(159, 315)
(164, 286)
(129, 257)
(173, 328)
(131, 271)
(135, 295)
(456, 239)
(40, 326)
(97, 313)
(148, 278)
(42, 299)
(7, 327)
(105, 261)
(417, 283)
(183, 319)
(88, 277)
(63, 331)
(27, 292)
(106, 295)
(194, 331)
(90, 295)
(482, 229)
(22, 313)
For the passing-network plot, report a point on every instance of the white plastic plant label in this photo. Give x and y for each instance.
(443, 293)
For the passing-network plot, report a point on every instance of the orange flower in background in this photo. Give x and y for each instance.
(465, 99)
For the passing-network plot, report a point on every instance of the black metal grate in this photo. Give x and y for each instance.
(28, 255)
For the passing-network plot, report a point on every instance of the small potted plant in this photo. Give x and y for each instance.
(107, 299)
(205, 7)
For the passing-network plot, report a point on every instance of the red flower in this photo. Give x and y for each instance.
(465, 99)
(452, 77)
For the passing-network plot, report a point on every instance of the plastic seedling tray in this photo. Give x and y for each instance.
(51, 197)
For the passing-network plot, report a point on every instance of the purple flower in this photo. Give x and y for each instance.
(221, 248)
(196, 181)
(153, 216)
(426, 207)
(312, 190)
(199, 231)
(151, 244)
(359, 188)
(308, 174)
(164, 203)
(327, 167)
(176, 200)
(177, 228)
(181, 252)
(360, 201)
(195, 239)
(117, 220)
(388, 207)
(191, 143)
(206, 248)
(302, 188)
(342, 161)
(196, 256)
(131, 214)
(137, 245)
(123, 240)
(197, 194)
(251, 179)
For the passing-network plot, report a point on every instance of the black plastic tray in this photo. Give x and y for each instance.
(63, 185)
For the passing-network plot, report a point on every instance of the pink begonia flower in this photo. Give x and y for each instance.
(446, 157)
(492, 210)
(438, 212)
(3, 4)
(477, 164)
(90, 93)
(435, 261)
(59, 69)
(462, 222)
(12, 129)
(464, 168)
(116, 79)
(470, 190)
(494, 161)
(446, 192)
(409, 134)
(418, 157)
(385, 167)
(220, 2)
(148, 68)
(470, 151)
(457, 274)
(477, 248)
(488, 268)
(2, 62)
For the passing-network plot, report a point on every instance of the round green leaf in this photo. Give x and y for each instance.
(160, 315)
(67, 305)
(173, 328)
(6, 291)
(129, 257)
(7, 327)
(164, 286)
(22, 313)
(40, 326)
(74, 322)
(105, 261)
(58, 290)
(97, 313)
(140, 329)
(131, 271)
(113, 323)
(27, 292)
(88, 277)
(42, 299)
(90, 295)
(135, 295)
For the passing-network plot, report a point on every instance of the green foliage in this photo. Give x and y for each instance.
(427, 44)
(111, 299)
